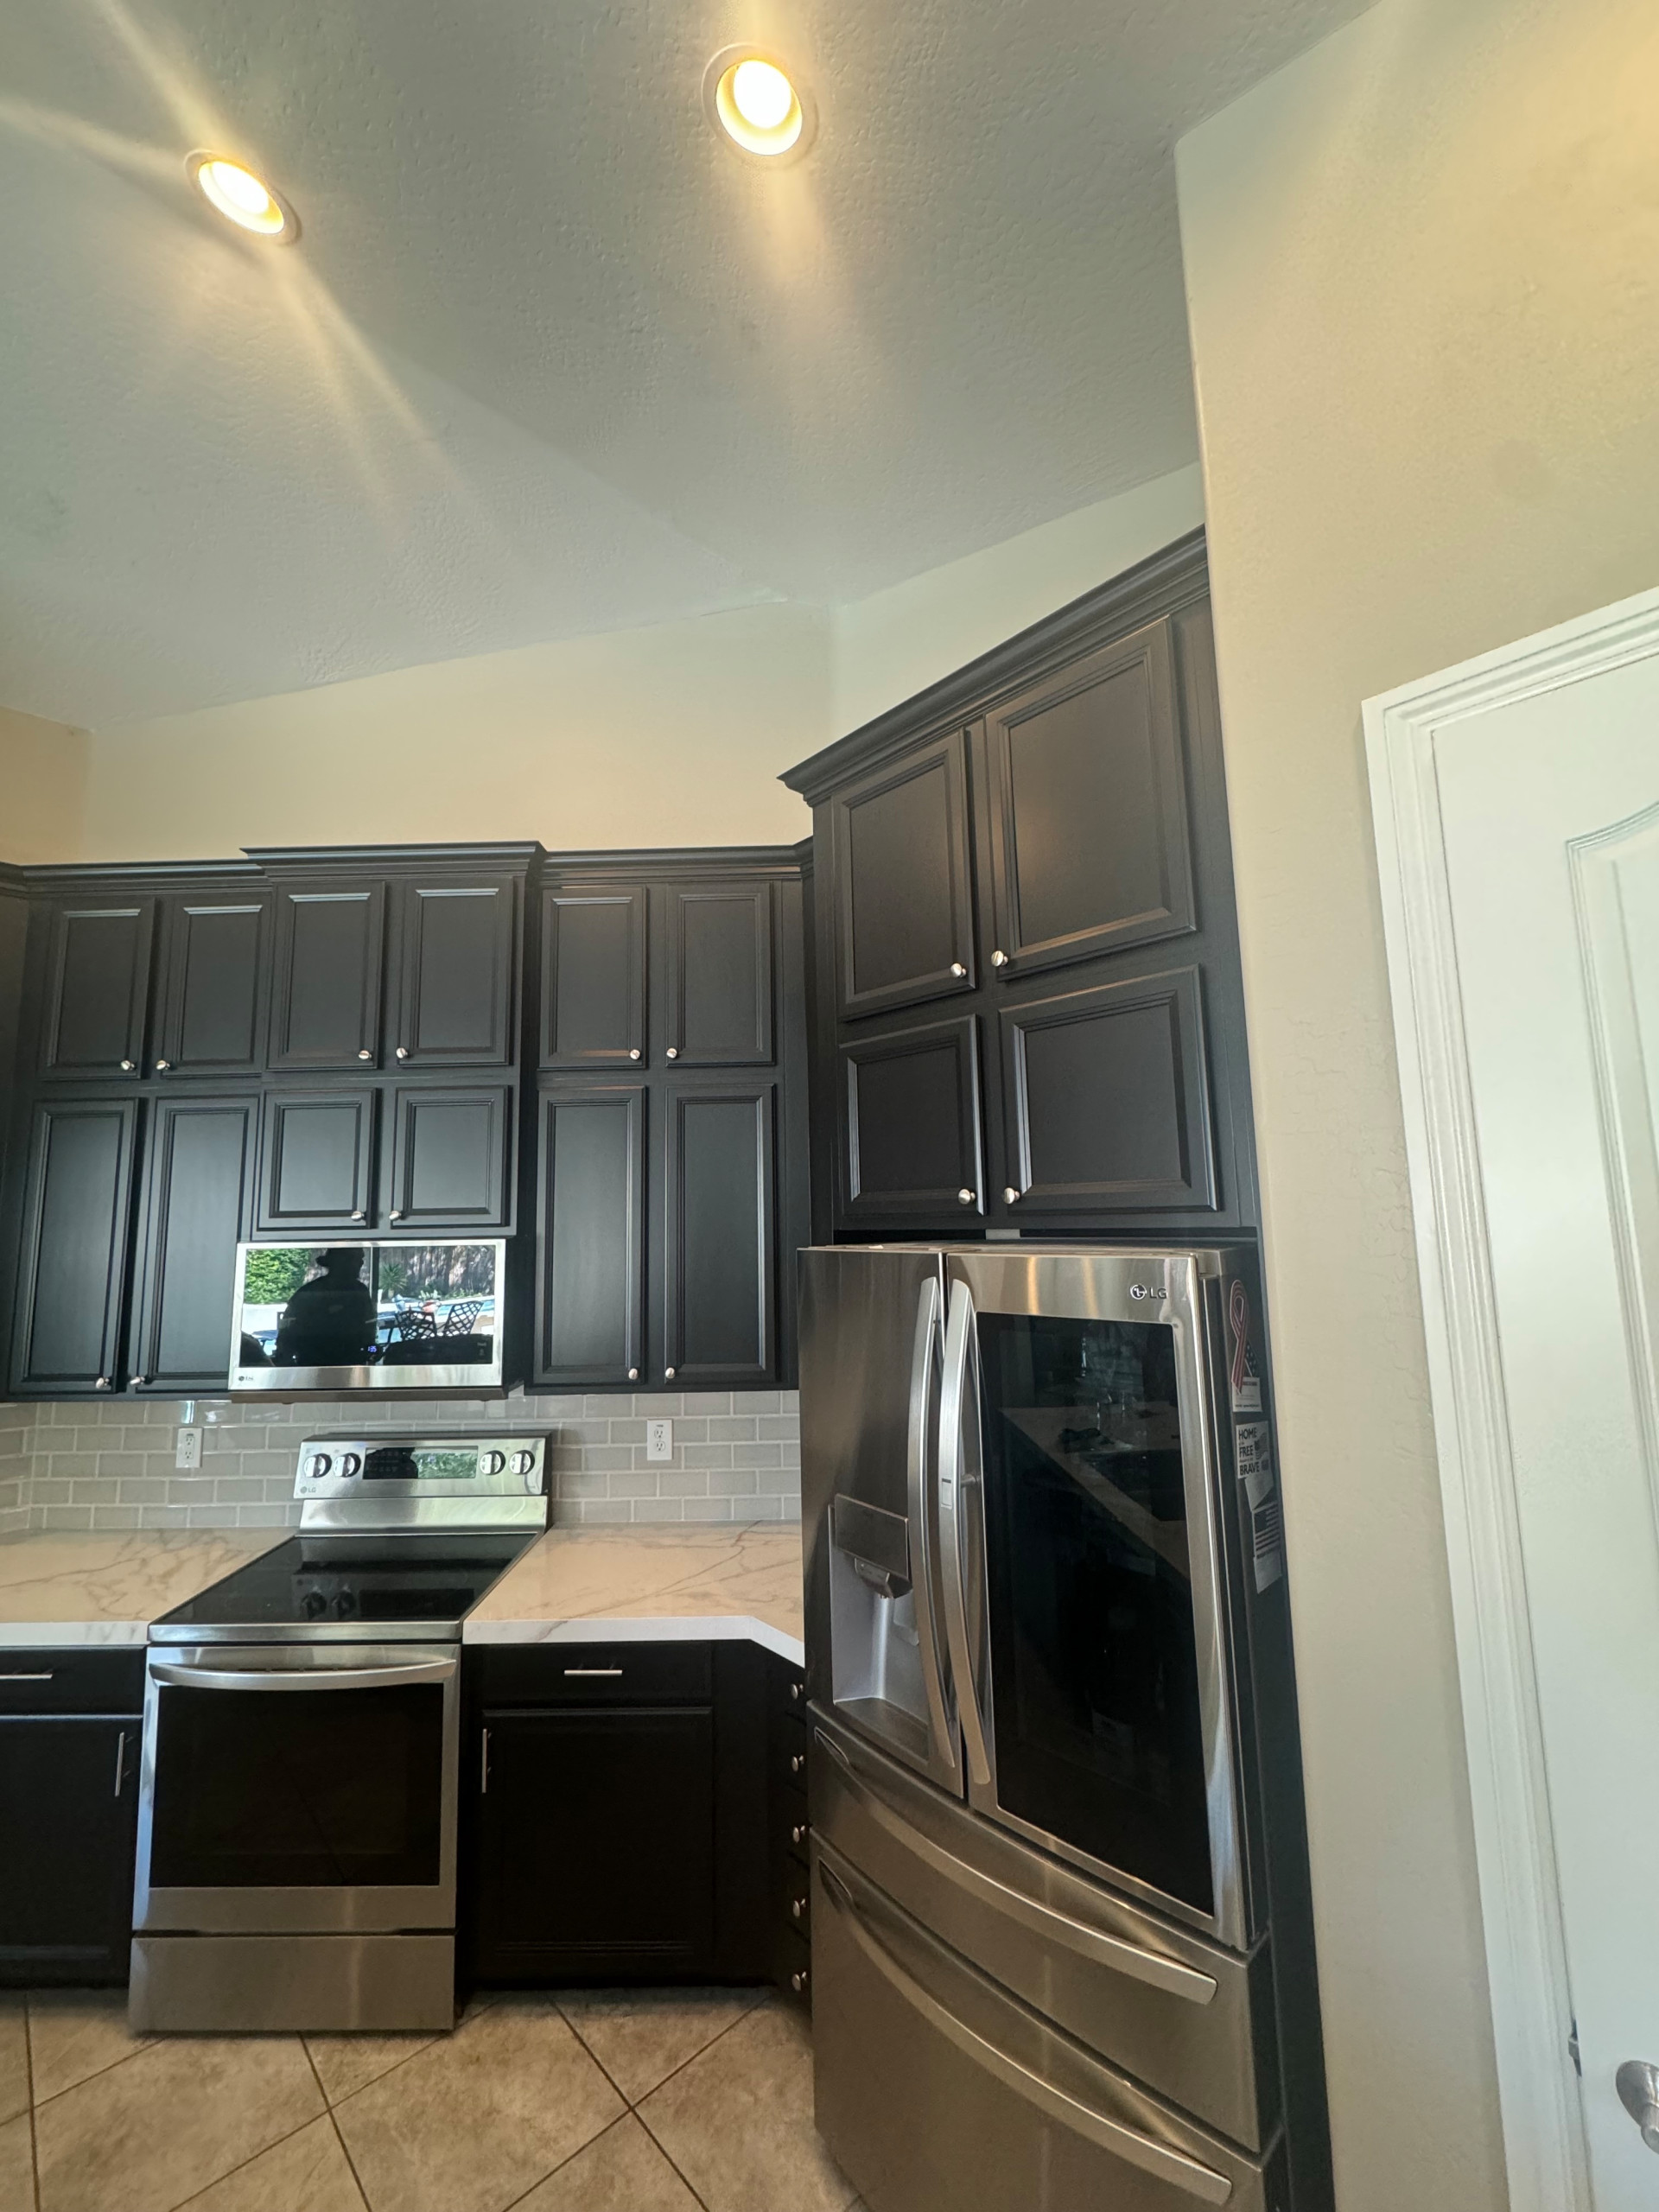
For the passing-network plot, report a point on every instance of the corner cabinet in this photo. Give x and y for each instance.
(672, 1171)
(1030, 1004)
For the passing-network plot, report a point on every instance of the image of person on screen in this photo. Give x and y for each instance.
(329, 1321)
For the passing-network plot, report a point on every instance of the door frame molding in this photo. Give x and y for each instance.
(1526, 1958)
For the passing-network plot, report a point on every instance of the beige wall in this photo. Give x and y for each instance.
(42, 788)
(1423, 280)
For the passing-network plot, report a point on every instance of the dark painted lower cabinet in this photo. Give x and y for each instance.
(69, 1815)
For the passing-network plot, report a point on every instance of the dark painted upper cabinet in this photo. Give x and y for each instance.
(72, 1273)
(456, 1003)
(718, 974)
(324, 1011)
(316, 1160)
(594, 976)
(900, 866)
(95, 990)
(213, 971)
(198, 1190)
(1089, 846)
(911, 1145)
(719, 1185)
(450, 1150)
(590, 1323)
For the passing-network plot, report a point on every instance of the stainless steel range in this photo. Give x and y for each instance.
(297, 1801)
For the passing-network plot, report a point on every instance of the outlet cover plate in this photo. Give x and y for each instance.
(659, 1440)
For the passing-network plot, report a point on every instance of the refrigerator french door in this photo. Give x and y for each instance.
(1045, 1593)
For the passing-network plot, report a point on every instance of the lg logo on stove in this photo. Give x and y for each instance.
(1146, 1290)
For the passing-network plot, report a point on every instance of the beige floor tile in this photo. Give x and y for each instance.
(640, 2036)
(14, 2055)
(75, 2033)
(307, 2172)
(16, 2166)
(346, 2064)
(623, 2171)
(738, 2121)
(471, 2123)
(145, 2135)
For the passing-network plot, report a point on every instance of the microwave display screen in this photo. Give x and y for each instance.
(384, 1307)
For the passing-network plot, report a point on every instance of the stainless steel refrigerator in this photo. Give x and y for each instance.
(1062, 1949)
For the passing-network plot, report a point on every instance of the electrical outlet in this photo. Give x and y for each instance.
(188, 1453)
(659, 1440)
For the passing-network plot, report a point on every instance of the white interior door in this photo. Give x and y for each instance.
(1549, 810)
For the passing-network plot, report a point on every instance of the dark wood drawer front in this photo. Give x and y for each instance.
(597, 1674)
(792, 1963)
(788, 1689)
(794, 1831)
(71, 1681)
(789, 1754)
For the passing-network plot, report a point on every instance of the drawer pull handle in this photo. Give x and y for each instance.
(120, 1760)
(592, 1670)
(27, 1678)
(484, 1765)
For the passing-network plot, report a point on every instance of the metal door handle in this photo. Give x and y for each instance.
(484, 1765)
(923, 1352)
(1637, 2084)
(120, 1760)
(300, 1678)
(45, 1677)
(1048, 1922)
(592, 1670)
(1161, 2159)
(953, 1417)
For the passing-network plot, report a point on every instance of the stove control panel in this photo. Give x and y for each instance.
(395, 1466)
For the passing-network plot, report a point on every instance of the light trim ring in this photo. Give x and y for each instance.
(758, 140)
(241, 195)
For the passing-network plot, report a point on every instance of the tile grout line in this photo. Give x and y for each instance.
(630, 2111)
(28, 2085)
(185, 2202)
(340, 2137)
(97, 2074)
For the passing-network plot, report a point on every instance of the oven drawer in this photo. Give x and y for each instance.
(1191, 2020)
(592, 1674)
(72, 1680)
(938, 2092)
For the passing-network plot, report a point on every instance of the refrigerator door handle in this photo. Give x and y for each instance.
(953, 1417)
(1111, 1951)
(941, 1720)
(1160, 2160)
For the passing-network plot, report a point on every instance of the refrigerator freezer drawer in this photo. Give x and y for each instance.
(938, 2092)
(1191, 2020)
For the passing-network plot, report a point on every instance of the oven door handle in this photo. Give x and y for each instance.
(185, 1676)
(955, 1412)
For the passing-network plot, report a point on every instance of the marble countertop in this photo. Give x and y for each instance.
(107, 1590)
(645, 1584)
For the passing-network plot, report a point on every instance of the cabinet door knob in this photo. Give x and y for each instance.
(956, 968)
(673, 1052)
(396, 1214)
(797, 1691)
(102, 1383)
(797, 1762)
(798, 1982)
(965, 1197)
(365, 1053)
(359, 1214)
(798, 1833)
(139, 1381)
(998, 959)
(402, 1051)
(1010, 1196)
(162, 1067)
(668, 1375)
(127, 1066)
(633, 1374)
(633, 1052)
(797, 1908)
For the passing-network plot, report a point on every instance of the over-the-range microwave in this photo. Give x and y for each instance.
(323, 1319)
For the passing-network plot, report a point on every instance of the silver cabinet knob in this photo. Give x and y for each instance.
(1637, 2084)
(402, 1051)
(998, 959)
(127, 1066)
(162, 1067)
(798, 1834)
(359, 1214)
(966, 1197)
(797, 1692)
(798, 1762)
(956, 968)
(102, 1383)
(1010, 1196)
(668, 1375)
(395, 1215)
(633, 1052)
(633, 1374)
(797, 1908)
(366, 1054)
(139, 1381)
(673, 1052)
(798, 1982)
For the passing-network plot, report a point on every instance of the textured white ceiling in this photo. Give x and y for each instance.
(548, 358)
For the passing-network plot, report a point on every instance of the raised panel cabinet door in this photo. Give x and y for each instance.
(590, 1300)
(316, 1158)
(456, 1003)
(1108, 1099)
(596, 1832)
(325, 1010)
(68, 1822)
(593, 978)
(197, 1192)
(911, 1147)
(1089, 833)
(213, 1015)
(450, 1153)
(719, 1249)
(96, 988)
(73, 1249)
(903, 881)
(719, 1012)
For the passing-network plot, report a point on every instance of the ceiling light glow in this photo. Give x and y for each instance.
(756, 104)
(244, 198)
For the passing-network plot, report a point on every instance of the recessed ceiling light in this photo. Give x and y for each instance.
(244, 198)
(754, 101)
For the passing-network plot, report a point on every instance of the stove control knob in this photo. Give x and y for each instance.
(345, 1605)
(490, 1463)
(350, 1462)
(318, 1465)
(314, 1603)
(522, 1462)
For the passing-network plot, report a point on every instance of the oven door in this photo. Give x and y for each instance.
(1081, 1564)
(298, 1787)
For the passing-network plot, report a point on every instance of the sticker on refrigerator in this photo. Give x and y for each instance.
(1253, 1444)
(1243, 1376)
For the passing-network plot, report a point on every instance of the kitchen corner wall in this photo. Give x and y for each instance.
(108, 1466)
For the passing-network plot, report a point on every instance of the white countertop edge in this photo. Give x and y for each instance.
(72, 1635)
(712, 1627)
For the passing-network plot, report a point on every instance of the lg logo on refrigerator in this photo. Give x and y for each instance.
(1146, 1290)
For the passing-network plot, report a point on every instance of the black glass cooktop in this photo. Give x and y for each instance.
(420, 1585)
